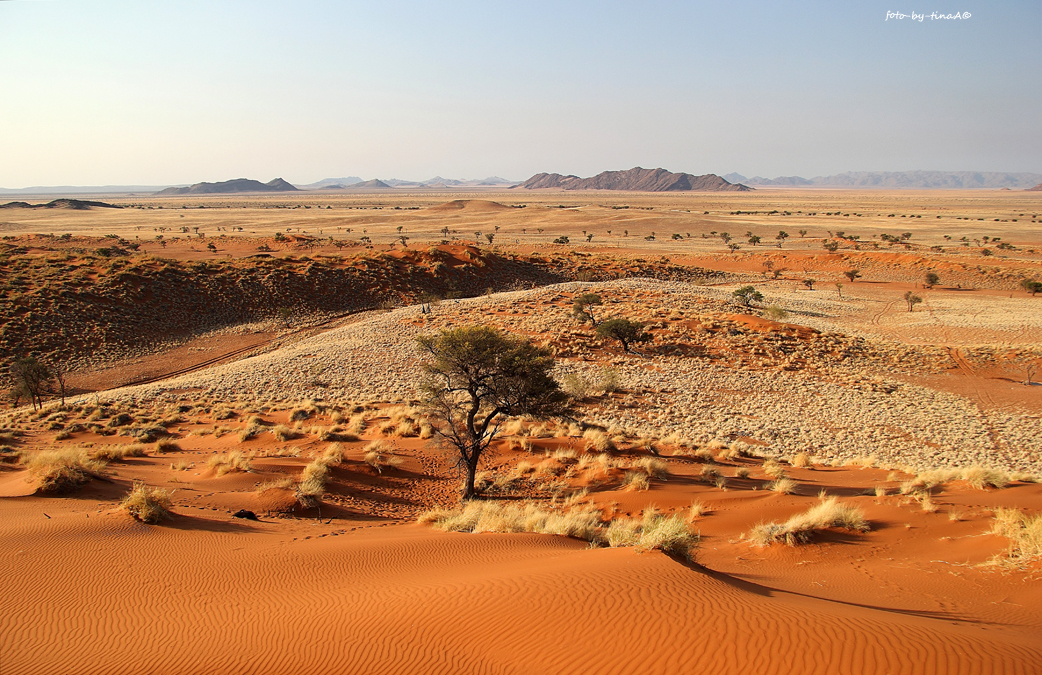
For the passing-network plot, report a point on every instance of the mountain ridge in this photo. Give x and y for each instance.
(636, 179)
(231, 186)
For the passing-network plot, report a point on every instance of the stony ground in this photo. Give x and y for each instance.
(715, 372)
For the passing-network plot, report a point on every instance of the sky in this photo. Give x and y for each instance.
(156, 93)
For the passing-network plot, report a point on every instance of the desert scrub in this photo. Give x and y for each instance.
(58, 471)
(800, 528)
(312, 485)
(233, 461)
(378, 456)
(653, 468)
(166, 445)
(635, 481)
(670, 535)
(149, 505)
(1024, 534)
(785, 486)
(491, 516)
(111, 453)
(284, 433)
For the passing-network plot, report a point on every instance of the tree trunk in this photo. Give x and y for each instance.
(469, 491)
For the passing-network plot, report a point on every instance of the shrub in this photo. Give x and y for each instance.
(491, 516)
(777, 313)
(800, 528)
(609, 380)
(636, 481)
(378, 456)
(149, 505)
(576, 386)
(312, 484)
(112, 453)
(785, 486)
(166, 445)
(1024, 534)
(654, 531)
(284, 433)
(653, 468)
(58, 471)
(233, 461)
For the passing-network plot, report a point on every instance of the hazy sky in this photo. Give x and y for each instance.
(183, 91)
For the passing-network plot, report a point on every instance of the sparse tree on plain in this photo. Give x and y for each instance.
(831, 246)
(912, 299)
(781, 237)
(31, 376)
(852, 275)
(931, 279)
(478, 376)
(583, 307)
(809, 283)
(1031, 286)
(625, 331)
(748, 295)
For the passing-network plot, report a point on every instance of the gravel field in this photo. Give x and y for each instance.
(838, 410)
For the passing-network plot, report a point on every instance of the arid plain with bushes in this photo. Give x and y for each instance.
(819, 456)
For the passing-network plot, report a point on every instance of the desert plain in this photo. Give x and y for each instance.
(820, 475)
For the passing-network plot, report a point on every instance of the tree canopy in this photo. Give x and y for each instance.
(476, 377)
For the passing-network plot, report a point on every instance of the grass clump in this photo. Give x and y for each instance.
(112, 453)
(379, 457)
(670, 535)
(149, 505)
(800, 528)
(652, 468)
(58, 471)
(785, 486)
(491, 516)
(166, 445)
(1024, 534)
(233, 461)
(634, 481)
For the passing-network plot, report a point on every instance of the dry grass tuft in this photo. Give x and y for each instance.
(312, 484)
(696, 510)
(773, 469)
(741, 472)
(233, 461)
(785, 486)
(378, 456)
(180, 466)
(670, 535)
(1024, 534)
(491, 516)
(801, 527)
(598, 440)
(149, 505)
(635, 481)
(112, 453)
(284, 433)
(166, 445)
(58, 471)
(801, 461)
(653, 468)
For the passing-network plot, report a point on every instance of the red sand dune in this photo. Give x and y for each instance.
(107, 594)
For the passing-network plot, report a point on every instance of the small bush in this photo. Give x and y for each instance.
(785, 486)
(654, 468)
(284, 433)
(1024, 534)
(636, 481)
(801, 527)
(379, 457)
(58, 471)
(112, 453)
(166, 445)
(576, 386)
(233, 461)
(149, 505)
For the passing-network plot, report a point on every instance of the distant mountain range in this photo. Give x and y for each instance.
(953, 180)
(635, 179)
(230, 186)
(356, 183)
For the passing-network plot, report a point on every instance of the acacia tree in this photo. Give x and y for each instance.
(748, 295)
(625, 331)
(583, 307)
(912, 299)
(31, 376)
(852, 275)
(931, 279)
(476, 378)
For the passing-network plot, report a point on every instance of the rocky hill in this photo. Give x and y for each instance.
(229, 186)
(955, 180)
(635, 179)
